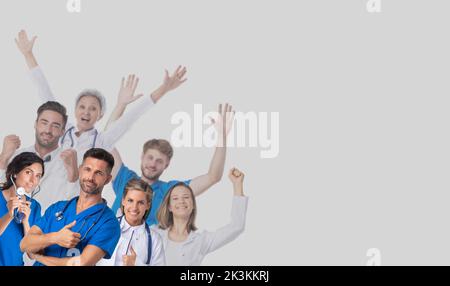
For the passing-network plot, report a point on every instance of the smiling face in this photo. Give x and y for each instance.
(94, 175)
(49, 127)
(181, 203)
(153, 164)
(135, 205)
(87, 112)
(29, 177)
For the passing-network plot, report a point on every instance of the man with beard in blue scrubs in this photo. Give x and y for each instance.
(80, 231)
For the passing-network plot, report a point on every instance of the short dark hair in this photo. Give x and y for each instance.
(100, 154)
(53, 106)
(19, 163)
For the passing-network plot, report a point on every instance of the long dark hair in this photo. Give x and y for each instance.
(19, 163)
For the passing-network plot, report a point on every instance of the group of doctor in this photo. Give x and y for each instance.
(51, 207)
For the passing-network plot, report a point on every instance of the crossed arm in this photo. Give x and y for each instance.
(35, 241)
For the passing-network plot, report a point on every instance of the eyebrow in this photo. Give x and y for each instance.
(29, 169)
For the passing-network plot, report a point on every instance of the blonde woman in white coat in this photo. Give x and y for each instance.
(183, 244)
(133, 248)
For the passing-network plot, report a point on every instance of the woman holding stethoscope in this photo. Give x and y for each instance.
(90, 105)
(17, 215)
(183, 244)
(139, 245)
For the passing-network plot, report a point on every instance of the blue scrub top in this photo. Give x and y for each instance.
(160, 190)
(10, 254)
(104, 234)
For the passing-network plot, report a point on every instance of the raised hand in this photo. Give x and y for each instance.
(10, 144)
(224, 122)
(127, 90)
(24, 44)
(170, 82)
(237, 178)
(69, 157)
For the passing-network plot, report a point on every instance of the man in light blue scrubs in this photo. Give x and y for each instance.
(80, 231)
(156, 157)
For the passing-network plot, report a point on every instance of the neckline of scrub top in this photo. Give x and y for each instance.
(87, 212)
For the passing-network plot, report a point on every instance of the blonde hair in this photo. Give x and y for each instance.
(138, 185)
(165, 217)
(161, 145)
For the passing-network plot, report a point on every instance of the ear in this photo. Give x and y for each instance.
(108, 179)
(167, 165)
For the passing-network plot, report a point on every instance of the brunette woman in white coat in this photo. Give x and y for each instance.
(183, 244)
(138, 245)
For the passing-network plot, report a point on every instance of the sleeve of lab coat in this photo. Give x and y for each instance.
(38, 78)
(118, 128)
(226, 234)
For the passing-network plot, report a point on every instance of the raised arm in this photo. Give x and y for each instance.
(125, 97)
(115, 128)
(70, 161)
(223, 126)
(25, 46)
(10, 144)
(117, 163)
(231, 231)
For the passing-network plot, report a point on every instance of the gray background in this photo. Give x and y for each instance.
(363, 102)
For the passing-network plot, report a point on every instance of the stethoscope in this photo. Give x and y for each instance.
(147, 229)
(38, 187)
(60, 215)
(71, 137)
(17, 193)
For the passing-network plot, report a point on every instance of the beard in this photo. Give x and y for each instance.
(94, 189)
(149, 175)
(46, 143)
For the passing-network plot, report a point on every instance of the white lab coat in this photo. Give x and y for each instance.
(106, 139)
(139, 243)
(198, 244)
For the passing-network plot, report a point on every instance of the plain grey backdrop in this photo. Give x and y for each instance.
(363, 100)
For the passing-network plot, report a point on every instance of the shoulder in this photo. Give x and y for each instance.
(154, 229)
(35, 204)
(110, 217)
(166, 185)
(124, 171)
